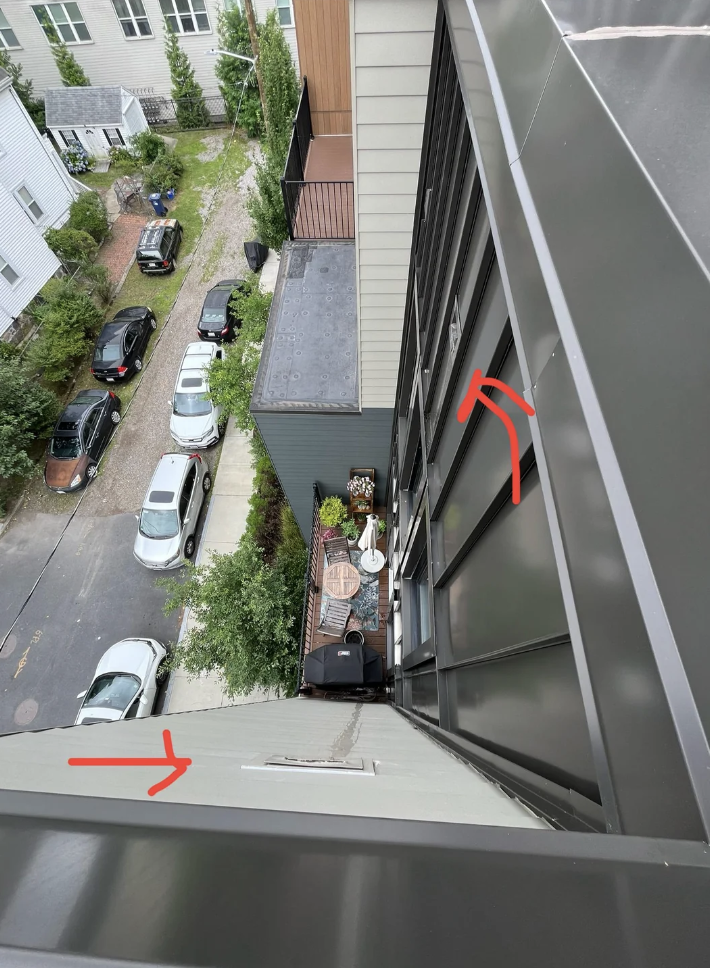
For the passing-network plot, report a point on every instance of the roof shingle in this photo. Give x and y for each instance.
(68, 107)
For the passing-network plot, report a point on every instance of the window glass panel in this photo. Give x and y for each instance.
(173, 24)
(284, 11)
(72, 10)
(57, 13)
(7, 34)
(144, 28)
(129, 28)
(188, 24)
(198, 5)
(8, 272)
(202, 21)
(82, 31)
(137, 8)
(121, 8)
(182, 6)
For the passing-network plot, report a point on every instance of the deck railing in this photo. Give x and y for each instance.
(310, 588)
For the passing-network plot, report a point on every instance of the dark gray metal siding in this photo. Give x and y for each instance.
(307, 448)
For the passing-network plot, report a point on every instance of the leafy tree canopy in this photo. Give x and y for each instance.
(27, 411)
(281, 90)
(190, 104)
(233, 35)
(72, 246)
(88, 213)
(70, 70)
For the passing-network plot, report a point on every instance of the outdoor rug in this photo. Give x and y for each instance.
(364, 615)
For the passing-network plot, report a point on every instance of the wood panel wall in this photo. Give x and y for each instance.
(323, 34)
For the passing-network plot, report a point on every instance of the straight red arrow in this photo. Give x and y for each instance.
(180, 763)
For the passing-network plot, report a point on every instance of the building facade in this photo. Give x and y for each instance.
(35, 194)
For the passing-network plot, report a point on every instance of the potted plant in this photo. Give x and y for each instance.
(332, 512)
(351, 531)
(381, 527)
(329, 533)
(361, 487)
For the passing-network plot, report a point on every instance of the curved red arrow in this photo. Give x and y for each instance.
(469, 401)
(180, 763)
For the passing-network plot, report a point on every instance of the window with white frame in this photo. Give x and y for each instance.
(69, 136)
(132, 18)
(186, 16)
(114, 137)
(27, 201)
(62, 20)
(284, 9)
(7, 272)
(8, 38)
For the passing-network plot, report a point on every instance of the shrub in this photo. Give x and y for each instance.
(266, 204)
(147, 145)
(76, 158)
(98, 282)
(88, 213)
(27, 412)
(350, 529)
(265, 505)
(233, 35)
(164, 173)
(70, 71)
(71, 245)
(8, 351)
(190, 105)
(69, 317)
(332, 512)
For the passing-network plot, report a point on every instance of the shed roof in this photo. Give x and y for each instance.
(68, 107)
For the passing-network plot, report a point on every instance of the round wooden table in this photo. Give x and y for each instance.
(341, 580)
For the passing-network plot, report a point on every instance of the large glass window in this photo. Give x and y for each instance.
(8, 38)
(132, 18)
(422, 612)
(27, 200)
(63, 21)
(186, 16)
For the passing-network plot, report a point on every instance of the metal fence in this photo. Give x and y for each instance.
(319, 209)
(311, 589)
(160, 111)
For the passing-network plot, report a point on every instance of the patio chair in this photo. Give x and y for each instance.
(336, 549)
(335, 618)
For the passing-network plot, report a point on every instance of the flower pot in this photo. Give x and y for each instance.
(352, 542)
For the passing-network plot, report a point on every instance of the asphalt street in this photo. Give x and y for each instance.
(92, 594)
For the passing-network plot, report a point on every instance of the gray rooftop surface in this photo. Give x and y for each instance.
(309, 360)
(68, 107)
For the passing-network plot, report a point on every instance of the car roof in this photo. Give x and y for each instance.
(131, 312)
(161, 223)
(163, 490)
(70, 420)
(130, 656)
(217, 297)
(111, 331)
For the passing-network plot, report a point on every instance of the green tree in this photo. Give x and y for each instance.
(72, 246)
(189, 103)
(233, 34)
(246, 629)
(27, 411)
(69, 318)
(88, 214)
(70, 70)
(34, 106)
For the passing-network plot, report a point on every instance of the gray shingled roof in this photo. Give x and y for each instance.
(72, 107)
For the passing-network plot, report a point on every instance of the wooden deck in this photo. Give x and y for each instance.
(325, 208)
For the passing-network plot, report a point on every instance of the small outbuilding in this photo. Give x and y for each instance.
(99, 118)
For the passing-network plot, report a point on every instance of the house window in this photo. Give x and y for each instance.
(8, 40)
(7, 272)
(132, 18)
(29, 204)
(186, 16)
(114, 137)
(285, 12)
(69, 137)
(63, 21)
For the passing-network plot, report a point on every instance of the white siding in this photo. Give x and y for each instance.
(134, 119)
(391, 45)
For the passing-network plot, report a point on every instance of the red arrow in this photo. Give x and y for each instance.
(180, 763)
(469, 401)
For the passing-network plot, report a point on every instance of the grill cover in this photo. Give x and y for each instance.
(342, 664)
(256, 254)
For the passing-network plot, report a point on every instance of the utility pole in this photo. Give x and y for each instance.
(251, 21)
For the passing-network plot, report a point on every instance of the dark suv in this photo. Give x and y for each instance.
(79, 439)
(122, 343)
(218, 320)
(158, 245)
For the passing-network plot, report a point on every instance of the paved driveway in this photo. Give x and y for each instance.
(93, 592)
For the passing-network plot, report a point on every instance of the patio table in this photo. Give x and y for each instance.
(341, 580)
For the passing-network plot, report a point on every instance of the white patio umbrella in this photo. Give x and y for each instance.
(372, 560)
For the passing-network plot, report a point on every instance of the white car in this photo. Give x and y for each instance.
(125, 683)
(167, 524)
(195, 421)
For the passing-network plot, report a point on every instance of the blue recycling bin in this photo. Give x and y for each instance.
(157, 204)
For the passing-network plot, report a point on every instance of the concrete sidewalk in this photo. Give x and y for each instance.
(224, 526)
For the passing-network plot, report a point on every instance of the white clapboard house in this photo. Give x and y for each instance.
(99, 118)
(35, 194)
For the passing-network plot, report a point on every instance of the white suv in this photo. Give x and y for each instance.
(168, 520)
(195, 421)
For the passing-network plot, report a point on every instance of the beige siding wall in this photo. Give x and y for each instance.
(391, 44)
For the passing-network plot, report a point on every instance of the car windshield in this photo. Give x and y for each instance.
(191, 405)
(109, 352)
(114, 691)
(65, 448)
(212, 315)
(158, 524)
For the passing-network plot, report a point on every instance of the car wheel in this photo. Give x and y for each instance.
(161, 673)
(115, 417)
(153, 323)
(138, 365)
(221, 427)
(190, 546)
(91, 471)
(206, 483)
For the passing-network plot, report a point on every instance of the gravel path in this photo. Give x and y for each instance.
(144, 434)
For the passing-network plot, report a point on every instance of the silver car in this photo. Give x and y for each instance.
(167, 523)
(125, 683)
(195, 421)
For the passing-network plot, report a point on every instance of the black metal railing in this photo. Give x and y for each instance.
(310, 588)
(319, 209)
(184, 113)
(301, 137)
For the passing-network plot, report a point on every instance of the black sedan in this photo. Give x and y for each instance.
(122, 344)
(218, 320)
(80, 436)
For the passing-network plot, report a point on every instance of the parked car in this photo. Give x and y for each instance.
(79, 439)
(158, 245)
(195, 420)
(218, 320)
(122, 343)
(125, 683)
(168, 520)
